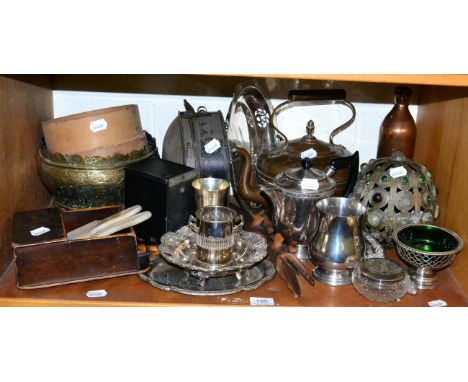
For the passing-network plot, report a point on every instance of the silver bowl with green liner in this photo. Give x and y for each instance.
(427, 248)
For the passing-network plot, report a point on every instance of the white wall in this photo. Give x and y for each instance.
(158, 111)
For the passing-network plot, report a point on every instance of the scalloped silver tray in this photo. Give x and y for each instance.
(179, 248)
(168, 277)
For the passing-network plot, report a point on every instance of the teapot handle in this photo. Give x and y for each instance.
(345, 125)
(318, 97)
(351, 162)
(314, 95)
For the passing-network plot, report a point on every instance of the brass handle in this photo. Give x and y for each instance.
(345, 125)
(317, 97)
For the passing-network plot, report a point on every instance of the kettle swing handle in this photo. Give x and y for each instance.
(317, 97)
(340, 163)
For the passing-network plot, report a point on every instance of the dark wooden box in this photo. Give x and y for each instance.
(50, 259)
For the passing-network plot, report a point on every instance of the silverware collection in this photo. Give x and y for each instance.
(332, 214)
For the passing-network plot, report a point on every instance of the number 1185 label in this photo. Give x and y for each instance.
(259, 301)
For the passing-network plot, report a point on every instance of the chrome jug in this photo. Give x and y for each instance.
(339, 242)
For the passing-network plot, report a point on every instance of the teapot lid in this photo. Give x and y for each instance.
(269, 165)
(306, 181)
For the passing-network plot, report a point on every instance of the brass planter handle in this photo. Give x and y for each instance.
(317, 97)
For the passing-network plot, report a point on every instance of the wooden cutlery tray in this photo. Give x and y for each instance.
(49, 259)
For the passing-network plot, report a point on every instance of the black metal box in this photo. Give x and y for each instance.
(165, 189)
(199, 139)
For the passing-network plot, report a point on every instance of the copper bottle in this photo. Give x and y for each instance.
(398, 129)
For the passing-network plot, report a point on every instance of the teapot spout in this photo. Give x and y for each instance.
(247, 186)
(273, 198)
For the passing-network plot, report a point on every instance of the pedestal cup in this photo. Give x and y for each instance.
(215, 229)
(210, 192)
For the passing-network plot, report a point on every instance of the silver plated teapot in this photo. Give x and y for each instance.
(293, 199)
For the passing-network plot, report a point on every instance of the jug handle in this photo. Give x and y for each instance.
(340, 163)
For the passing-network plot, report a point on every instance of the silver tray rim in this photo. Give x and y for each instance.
(269, 273)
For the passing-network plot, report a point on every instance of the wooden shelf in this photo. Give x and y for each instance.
(132, 291)
(415, 79)
(440, 146)
(360, 87)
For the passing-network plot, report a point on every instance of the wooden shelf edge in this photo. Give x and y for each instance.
(35, 302)
(415, 79)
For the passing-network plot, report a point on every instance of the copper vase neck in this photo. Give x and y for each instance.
(398, 129)
(402, 96)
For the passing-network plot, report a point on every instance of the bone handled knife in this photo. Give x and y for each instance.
(88, 230)
(120, 224)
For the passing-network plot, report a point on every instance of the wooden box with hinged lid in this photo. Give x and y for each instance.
(44, 257)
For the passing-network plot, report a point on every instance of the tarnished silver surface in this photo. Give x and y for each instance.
(180, 248)
(167, 277)
(395, 201)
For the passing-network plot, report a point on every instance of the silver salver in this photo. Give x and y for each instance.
(168, 277)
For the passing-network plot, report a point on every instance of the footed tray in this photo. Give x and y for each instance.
(168, 277)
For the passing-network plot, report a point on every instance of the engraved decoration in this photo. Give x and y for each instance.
(410, 198)
(77, 182)
(179, 248)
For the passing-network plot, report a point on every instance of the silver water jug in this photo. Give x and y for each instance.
(339, 242)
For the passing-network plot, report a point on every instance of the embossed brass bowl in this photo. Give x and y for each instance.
(77, 182)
